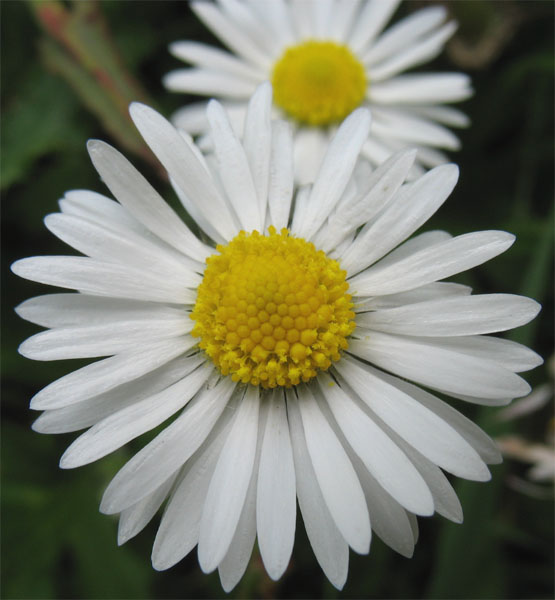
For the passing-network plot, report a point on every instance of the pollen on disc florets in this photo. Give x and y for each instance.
(318, 82)
(272, 310)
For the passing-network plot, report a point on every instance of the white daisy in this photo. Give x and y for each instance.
(324, 59)
(282, 358)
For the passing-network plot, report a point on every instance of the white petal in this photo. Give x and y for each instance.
(235, 562)
(257, 140)
(432, 264)
(233, 36)
(410, 56)
(72, 310)
(281, 180)
(234, 170)
(116, 430)
(389, 519)
(420, 427)
(106, 374)
(411, 207)
(454, 316)
(415, 244)
(102, 340)
(434, 88)
(180, 161)
(88, 412)
(142, 201)
(331, 550)
(446, 501)
(228, 487)
(370, 22)
(335, 474)
(440, 367)
(105, 279)
(447, 115)
(135, 518)
(308, 152)
(209, 57)
(380, 455)
(276, 498)
(430, 291)
(510, 355)
(179, 527)
(336, 169)
(170, 449)
(344, 15)
(478, 439)
(381, 187)
(405, 33)
(207, 82)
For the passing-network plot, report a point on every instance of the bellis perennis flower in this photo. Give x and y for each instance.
(280, 359)
(326, 58)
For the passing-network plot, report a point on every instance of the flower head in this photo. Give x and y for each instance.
(282, 341)
(324, 60)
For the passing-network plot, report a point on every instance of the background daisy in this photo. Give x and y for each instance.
(509, 152)
(325, 59)
(289, 353)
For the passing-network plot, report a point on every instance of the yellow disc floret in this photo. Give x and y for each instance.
(272, 310)
(318, 82)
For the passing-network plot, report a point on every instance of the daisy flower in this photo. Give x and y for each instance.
(288, 361)
(324, 59)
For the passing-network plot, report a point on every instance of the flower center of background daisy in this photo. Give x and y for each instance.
(272, 310)
(318, 82)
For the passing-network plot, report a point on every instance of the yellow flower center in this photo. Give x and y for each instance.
(318, 82)
(272, 310)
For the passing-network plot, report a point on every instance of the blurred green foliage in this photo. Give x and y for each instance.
(55, 544)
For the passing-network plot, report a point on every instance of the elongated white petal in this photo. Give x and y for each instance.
(412, 55)
(126, 424)
(415, 244)
(440, 367)
(275, 498)
(370, 22)
(478, 439)
(174, 153)
(328, 545)
(142, 201)
(336, 476)
(404, 33)
(454, 316)
(432, 264)
(105, 279)
(209, 57)
(235, 562)
(88, 412)
(430, 291)
(179, 527)
(419, 88)
(409, 209)
(106, 374)
(228, 487)
(135, 518)
(233, 169)
(336, 169)
(420, 427)
(257, 141)
(446, 502)
(380, 455)
(382, 185)
(281, 175)
(101, 340)
(171, 448)
(233, 36)
(389, 519)
(72, 310)
(206, 82)
(510, 355)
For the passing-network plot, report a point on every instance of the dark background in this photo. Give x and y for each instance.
(55, 544)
